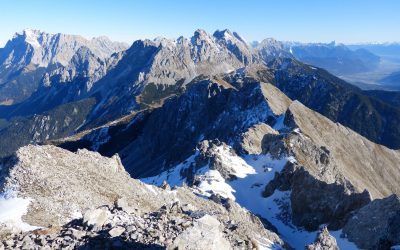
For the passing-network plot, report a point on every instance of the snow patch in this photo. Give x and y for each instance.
(239, 167)
(253, 173)
(211, 182)
(31, 38)
(279, 125)
(151, 188)
(12, 208)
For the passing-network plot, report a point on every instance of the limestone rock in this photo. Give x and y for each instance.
(122, 203)
(116, 231)
(324, 241)
(205, 233)
(96, 218)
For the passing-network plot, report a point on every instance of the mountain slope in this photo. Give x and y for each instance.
(246, 141)
(339, 101)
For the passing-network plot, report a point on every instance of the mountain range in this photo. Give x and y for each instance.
(264, 144)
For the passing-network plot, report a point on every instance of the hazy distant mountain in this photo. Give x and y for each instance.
(336, 58)
(380, 49)
(28, 55)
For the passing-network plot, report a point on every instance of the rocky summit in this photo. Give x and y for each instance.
(199, 142)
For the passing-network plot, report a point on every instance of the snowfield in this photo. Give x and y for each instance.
(253, 173)
(12, 208)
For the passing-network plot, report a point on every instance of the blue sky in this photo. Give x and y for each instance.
(126, 20)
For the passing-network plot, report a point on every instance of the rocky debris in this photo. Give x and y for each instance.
(171, 227)
(376, 225)
(72, 188)
(324, 241)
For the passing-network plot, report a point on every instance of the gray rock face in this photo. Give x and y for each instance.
(237, 45)
(375, 226)
(324, 241)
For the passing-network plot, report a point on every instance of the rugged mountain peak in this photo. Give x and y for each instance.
(203, 46)
(201, 34)
(270, 49)
(228, 35)
(235, 44)
(31, 36)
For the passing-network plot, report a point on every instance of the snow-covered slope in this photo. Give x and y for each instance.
(248, 177)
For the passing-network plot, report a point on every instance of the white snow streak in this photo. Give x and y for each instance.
(12, 208)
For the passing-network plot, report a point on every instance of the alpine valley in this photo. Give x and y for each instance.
(205, 142)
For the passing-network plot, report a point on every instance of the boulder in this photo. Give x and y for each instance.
(122, 203)
(96, 218)
(205, 233)
(116, 231)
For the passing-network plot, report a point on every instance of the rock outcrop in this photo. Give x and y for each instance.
(324, 241)
(376, 225)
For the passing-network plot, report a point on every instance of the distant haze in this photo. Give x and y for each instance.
(347, 21)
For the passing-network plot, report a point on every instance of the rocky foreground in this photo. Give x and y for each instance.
(122, 227)
(85, 201)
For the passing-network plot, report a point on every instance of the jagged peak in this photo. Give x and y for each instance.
(202, 35)
(270, 41)
(200, 32)
(222, 33)
(30, 36)
(28, 32)
(228, 35)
